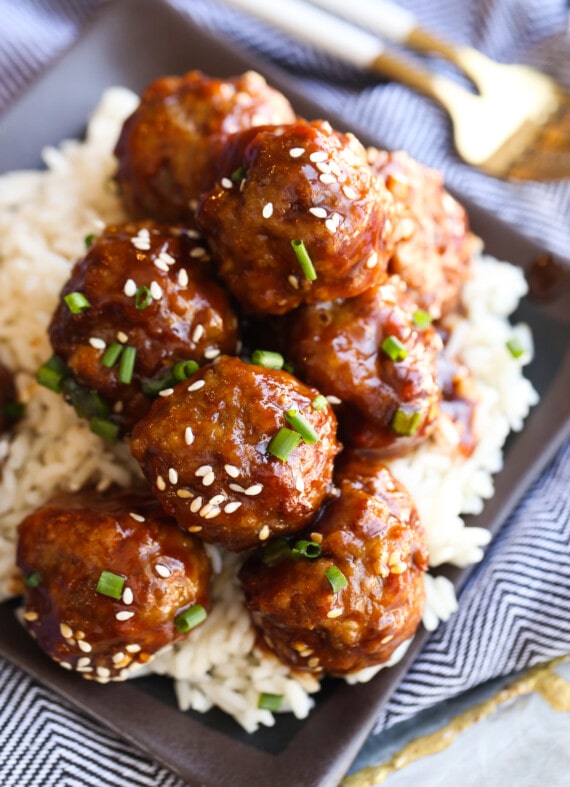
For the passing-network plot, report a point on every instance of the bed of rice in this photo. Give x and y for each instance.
(44, 218)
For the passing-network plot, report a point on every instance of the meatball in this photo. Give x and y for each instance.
(108, 578)
(150, 297)
(354, 604)
(167, 149)
(303, 184)
(9, 409)
(370, 353)
(209, 453)
(433, 243)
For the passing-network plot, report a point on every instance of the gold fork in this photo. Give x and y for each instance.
(516, 126)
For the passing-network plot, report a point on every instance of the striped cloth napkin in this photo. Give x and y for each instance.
(522, 579)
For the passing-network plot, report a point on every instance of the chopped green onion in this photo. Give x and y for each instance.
(302, 426)
(283, 443)
(319, 402)
(143, 298)
(394, 348)
(13, 410)
(110, 584)
(111, 354)
(515, 347)
(190, 618)
(127, 365)
(88, 240)
(106, 429)
(76, 302)
(304, 260)
(336, 578)
(154, 387)
(303, 548)
(32, 580)
(405, 422)
(274, 551)
(267, 359)
(184, 369)
(238, 174)
(270, 701)
(86, 402)
(52, 374)
(288, 367)
(421, 318)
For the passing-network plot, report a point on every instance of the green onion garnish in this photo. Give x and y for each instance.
(154, 387)
(515, 347)
(283, 443)
(106, 429)
(110, 584)
(76, 302)
(238, 174)
(127, 365)
(267, 359)
(336, 578)
(13, 410)
(421, 318)
(184, 369)
(302, 426)
(143, 298)
(111, 354)
(394, 348)
(52, 374)
(303, 548)
(405, 422)
(190, 618)
(270, 701)
(319, 402)
(88, 240)
(32, 580)
(86, 402)
(304, 260)
(274, 551)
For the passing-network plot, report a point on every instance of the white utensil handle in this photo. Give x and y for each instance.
(318, 28)
(381, 17)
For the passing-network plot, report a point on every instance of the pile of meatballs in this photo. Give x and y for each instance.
(264, 332)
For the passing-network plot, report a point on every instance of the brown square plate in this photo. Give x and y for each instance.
(130, 43)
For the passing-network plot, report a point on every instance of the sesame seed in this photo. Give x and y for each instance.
(205, 510)
(189, 435)
(209, 479)
(264, 533)
(128, 596)
(173, 475)
(196, 504)
(299, 484)
(293, 281)
(296, 152)
(162, 571)
(267, 211)
(226, 183)
(197, 252)
(334, 613)
(253, 490)
(164, 256)
(318, 155)
(319, 213)
(197, 385)
(79, 635)
(314, 662)
(155, 290)
(194, 529)
(232, 470)
(124, 615)
(160, 264)
(118, 407)
(372, 260)
(231, 507)
(387, 639)
(98, 344)
(66, 631)
(326, 178)
(349, 192)
(193, 204)
(203, 470)
(103, 672)
(217, 499)
(212, 512)
(198, 332)
(134, 648)
(160, 483)
(136, 517)
(31, 615)
(166, 392)
(317, 538)
(183, 277)
(65, 664)
(84, 646)
(237, 488)
(118, 657)
(331, 226)
(333, 400)
(141, 244)
(306, 652)
(186, 494)
(211, 353)
(122, 337)
(322, 167)
(84, 661)
(130, 288)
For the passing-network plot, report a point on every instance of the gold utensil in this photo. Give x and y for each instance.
(516, 126)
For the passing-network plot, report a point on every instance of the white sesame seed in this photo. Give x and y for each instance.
(84, 661)
(197, 385)
(232, 470)
(166, 392)
(211, 353)
(103, 672)
(160, 264)
(183, 277)
(134, 648)
(136, 517)
(144, 232)
(331, 226)
(124, 615)
(264, 533)
(189, 435)
(231, 507)
(226, 183)
(162, 571)
(349, 192)
(205, 510)
(203, 470)
(196, 504)
(160, 483)
(164, 256)
(65, 664)
(173, 475)
(293, 281)
(296, 152)
(253, 490)
(334, 613)
(118, 657)
(185, 494)
(197, 252)
(31, 615)
(66, 631)
(372, 260)
(84, 646)
(237, 488)
(333, 400)
(209, 479)
(122, 337)
(98, 344)
(213, 511)
(155, 290)
(267, 211)
(128, 596)
(216, 500)
(322, 167)
(319, 213)
(130, 288)
(198, 332)
(326, 178)
(141, 244)
(299, 484)
(318, 155)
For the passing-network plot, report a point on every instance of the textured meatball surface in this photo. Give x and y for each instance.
(370, 534)
(63, 548)
(204, 451)
(303, 182)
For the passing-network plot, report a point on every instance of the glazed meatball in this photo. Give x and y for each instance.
(150, 293)
(208, 452)
(302, 184)
(353, 605)
(433, 243)
(167, 149)
(8, 405)
(369, 353)
(108, 578)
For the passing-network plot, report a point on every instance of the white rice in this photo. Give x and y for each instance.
(44, 218)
